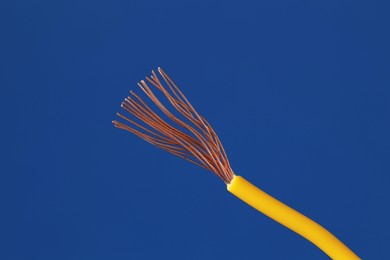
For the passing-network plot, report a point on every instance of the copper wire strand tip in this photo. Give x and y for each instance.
(191, 138)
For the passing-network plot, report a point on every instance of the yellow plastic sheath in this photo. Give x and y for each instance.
(290, 218)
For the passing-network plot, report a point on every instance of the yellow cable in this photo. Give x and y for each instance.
(290, 218)
(204, 149)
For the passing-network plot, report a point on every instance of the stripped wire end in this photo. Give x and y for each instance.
(192, 138)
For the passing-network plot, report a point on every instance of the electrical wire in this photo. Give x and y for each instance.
(192, 138)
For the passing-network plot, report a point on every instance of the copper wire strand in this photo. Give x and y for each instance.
(200, 158)
(198, 144)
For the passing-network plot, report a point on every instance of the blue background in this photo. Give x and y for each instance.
(297, 91)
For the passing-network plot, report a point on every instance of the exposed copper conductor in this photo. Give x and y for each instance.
(197, 142)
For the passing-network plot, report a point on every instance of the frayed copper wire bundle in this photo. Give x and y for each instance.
(200, 145)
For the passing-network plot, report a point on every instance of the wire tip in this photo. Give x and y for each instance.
(192, 138)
